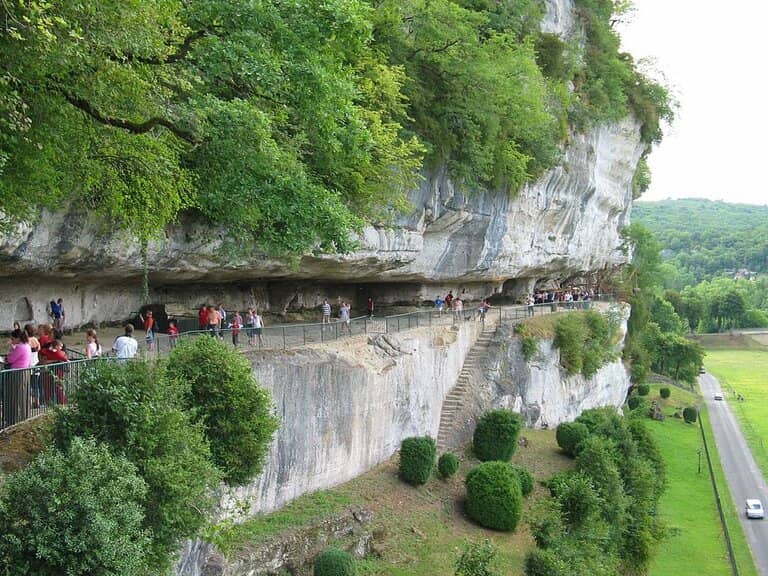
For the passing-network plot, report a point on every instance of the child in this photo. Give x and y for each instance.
(237, 323)
(173, 332)
(149, 328)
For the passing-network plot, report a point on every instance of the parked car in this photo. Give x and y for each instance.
(718, 395)
(754, 508)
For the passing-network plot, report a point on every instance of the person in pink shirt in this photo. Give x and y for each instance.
(20, 354)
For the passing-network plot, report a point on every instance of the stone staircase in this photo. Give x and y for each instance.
(463, 388)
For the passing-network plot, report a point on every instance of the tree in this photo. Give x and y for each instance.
(136, 410)
(277, 121)
(78, 512)
(235, 412)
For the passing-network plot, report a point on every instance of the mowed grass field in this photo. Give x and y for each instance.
(745, 372)
(695, 545)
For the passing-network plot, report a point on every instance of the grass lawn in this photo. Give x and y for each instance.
(417, 531)
(688, 505)
(745, 372)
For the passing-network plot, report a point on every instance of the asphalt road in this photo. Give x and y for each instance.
(744, 477)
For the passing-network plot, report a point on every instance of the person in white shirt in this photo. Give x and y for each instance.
(126, 346)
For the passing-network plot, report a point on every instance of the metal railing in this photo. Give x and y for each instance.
(26, 393)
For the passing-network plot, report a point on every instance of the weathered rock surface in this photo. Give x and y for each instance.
(346, 408)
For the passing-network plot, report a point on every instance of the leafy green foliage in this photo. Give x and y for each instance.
(494, 498)
(417, 459)
(634, 401)
(447, 465)
(477, 559)
(643, 389)
(78, 512)
(690, 414)
(477, 96)
(496, 435)
(665, 392)
(262, 117)
(136, 410)
(706, 239)
(569, 435)
(528, 343)
(333, 562)
(602, 517)
(585, 342)
(234, 411)
(525, 478)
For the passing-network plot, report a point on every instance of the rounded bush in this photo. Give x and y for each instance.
(690, 414)
(633, 402)
(448, 465)
(417, 459)
(494, 498)
(665, 392)
(643, 389)
(496, 435)
(569, 435)
(333, 562)
(525, 478)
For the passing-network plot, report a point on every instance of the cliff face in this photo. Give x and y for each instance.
(346, 408)
(566, 223)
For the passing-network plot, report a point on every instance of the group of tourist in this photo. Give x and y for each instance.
(456, 305)
(214, 320)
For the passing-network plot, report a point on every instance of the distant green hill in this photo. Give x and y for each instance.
(704, 238)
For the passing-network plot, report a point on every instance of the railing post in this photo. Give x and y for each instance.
(285, 346)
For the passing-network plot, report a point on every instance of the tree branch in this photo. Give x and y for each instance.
(133, 127)
(177, 56)
(436, 50)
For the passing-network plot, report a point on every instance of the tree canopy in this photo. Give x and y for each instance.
(290, 124)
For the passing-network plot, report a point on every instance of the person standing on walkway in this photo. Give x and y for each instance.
(258, 326)
(173, 332)
(237, 323)
(369, 307)
(58, 314)
(214, 321)
(326, 309)
(92, 348)
(250, 320)
(125, 346)
(222, 319)
(148, 323)
(344, 312)
(202, 317)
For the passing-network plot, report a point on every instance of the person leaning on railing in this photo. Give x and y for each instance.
(53, 378)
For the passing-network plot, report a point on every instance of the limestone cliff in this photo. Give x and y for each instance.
(346, 407)
(564, 224)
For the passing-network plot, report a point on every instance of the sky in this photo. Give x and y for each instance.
(714, 56)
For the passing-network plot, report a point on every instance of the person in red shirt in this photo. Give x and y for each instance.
(173, 332)
(53, 379)
(149, 324)
(202, 317)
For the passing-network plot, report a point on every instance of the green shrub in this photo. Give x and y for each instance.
(665, 392)
(477, 560)
(236, 413)
(525, 478)
(496, 435)
(633, 401)
(690, 414)
(136, 410)
(584, 342)
(494, 498)
(604, 421)
(448, 465)
(528, 344)
(643, 389)
(77, 512)
(333, 562)
(576, 497)
(569, 435)
(546, 563)
(417, 459)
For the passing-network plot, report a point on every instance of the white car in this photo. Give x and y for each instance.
(718, 396)
(754, 508)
